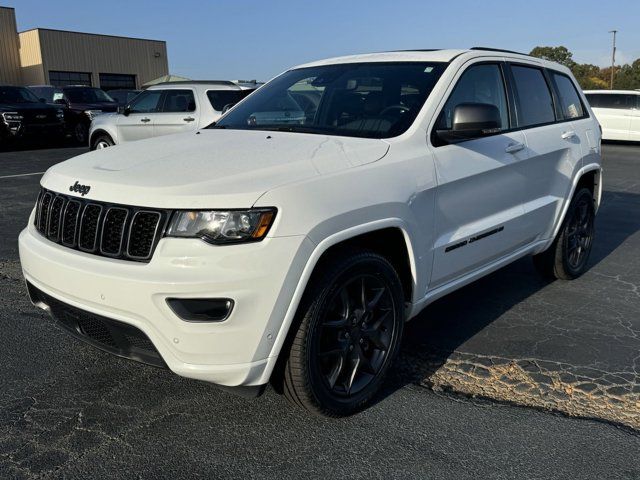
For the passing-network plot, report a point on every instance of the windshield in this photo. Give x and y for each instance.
(87, 95)
(374, 100)
(17, 95)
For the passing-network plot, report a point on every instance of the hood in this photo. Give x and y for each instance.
(210, 168)
(14, 107)
(105, 107)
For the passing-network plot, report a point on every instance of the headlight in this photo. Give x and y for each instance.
(11, 117)
(220, 226)
(92, 113)
(60, 114)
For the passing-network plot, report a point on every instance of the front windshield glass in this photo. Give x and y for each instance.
(17, 95)
(374, 100)
(87, 95)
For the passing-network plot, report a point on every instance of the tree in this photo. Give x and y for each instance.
(560, 55)
(627, 76)
(592, 77)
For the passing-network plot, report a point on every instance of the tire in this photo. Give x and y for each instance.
(344, 346)
(80, 132)
(101, 141)
(568, 255)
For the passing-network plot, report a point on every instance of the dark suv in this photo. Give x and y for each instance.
(81, 104)
(22, 115)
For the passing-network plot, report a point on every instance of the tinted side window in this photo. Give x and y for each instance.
(612, 100)
(221, 98)
(478, 84)
(179, 101)
(146, 102)
(569, 99)
(535, 104)
(593, 99)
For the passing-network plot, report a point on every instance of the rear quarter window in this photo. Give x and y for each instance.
(570, 103)
(535, 103)
(221, 98)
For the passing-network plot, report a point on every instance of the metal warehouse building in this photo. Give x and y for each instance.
(57, 57)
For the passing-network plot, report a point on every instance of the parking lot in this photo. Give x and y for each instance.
(511, 376)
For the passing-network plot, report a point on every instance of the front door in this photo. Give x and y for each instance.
(478, 208)
(139, 123)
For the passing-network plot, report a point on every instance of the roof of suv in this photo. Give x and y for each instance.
(202, 84)
(619, 92)
(423, 56)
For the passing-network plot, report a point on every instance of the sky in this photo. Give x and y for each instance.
(220, 39)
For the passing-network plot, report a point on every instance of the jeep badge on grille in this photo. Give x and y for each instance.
(81, 189)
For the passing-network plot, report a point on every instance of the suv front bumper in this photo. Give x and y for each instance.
(234, 352)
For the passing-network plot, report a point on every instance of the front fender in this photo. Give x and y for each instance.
(302, 269)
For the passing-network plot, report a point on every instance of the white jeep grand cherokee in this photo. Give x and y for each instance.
(292, 240)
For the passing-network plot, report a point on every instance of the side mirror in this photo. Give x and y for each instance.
(472, 120)
(126, 111)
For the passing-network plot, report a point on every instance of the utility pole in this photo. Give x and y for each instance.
(613, 57)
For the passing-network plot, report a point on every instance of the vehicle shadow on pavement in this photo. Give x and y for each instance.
(37, 145)
(447, 324)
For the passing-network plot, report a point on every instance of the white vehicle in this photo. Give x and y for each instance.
(167, 108)
(290, 241)
(618, 112)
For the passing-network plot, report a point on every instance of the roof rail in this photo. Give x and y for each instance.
(489, 49)
(197, 82)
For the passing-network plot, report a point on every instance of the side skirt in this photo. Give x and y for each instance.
(447, 288)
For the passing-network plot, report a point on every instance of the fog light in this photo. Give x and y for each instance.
(201, 309)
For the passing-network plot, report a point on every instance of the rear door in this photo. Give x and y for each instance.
(553, 144)
(179, 112)
(139, 123)
(478, 210)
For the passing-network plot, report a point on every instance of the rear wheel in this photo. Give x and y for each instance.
(350, 326)
(568, 255)
(102, 141)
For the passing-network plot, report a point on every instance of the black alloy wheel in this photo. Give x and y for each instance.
(347, 333)
(568, 256)
(355, 334)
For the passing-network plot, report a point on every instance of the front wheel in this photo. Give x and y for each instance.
(568, 255)
(102, 141)
(80, 132)
(350, 326)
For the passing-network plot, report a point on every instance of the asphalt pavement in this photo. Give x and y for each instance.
(452, 408)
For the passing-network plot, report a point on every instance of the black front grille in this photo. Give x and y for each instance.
(107, 334)
(117, 231)
(55, 217)
(113, 231)
(144, 227)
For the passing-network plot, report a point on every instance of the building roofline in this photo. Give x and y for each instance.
(8, 8)
(93, 34)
